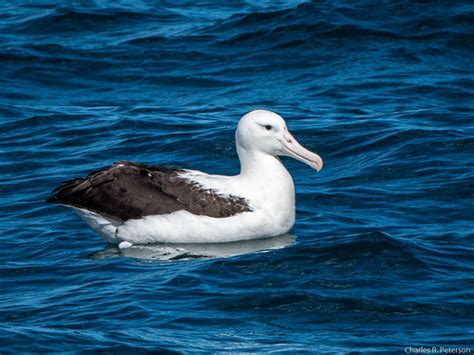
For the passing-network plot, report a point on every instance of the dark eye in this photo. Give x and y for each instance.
(268, 127)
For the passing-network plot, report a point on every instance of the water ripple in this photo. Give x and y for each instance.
(383, 252)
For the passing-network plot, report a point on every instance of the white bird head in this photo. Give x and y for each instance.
(262, 131)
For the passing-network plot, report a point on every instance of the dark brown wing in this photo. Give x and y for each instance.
(128, 190)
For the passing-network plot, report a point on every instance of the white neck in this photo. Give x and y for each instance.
(269, 184)
(255, 164)
(265, 172)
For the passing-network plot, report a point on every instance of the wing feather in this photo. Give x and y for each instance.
(128, 190)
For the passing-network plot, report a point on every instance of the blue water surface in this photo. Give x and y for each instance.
(383, 254)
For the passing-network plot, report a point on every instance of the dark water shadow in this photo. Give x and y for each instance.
(169, 251)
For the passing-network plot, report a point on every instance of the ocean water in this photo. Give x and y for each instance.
(381, 256)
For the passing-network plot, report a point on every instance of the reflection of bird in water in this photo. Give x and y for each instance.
(167, 251)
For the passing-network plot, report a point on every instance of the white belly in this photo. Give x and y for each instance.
(185, 227)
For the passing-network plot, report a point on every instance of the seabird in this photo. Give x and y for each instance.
(133, 203)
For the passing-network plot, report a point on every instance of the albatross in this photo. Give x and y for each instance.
(132, 203)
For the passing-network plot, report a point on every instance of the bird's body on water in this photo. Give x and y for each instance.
(140, 204)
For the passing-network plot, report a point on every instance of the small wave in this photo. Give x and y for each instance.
(64, 19)
(306, 24)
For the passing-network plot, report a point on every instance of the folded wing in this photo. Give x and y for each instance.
(128, 190)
